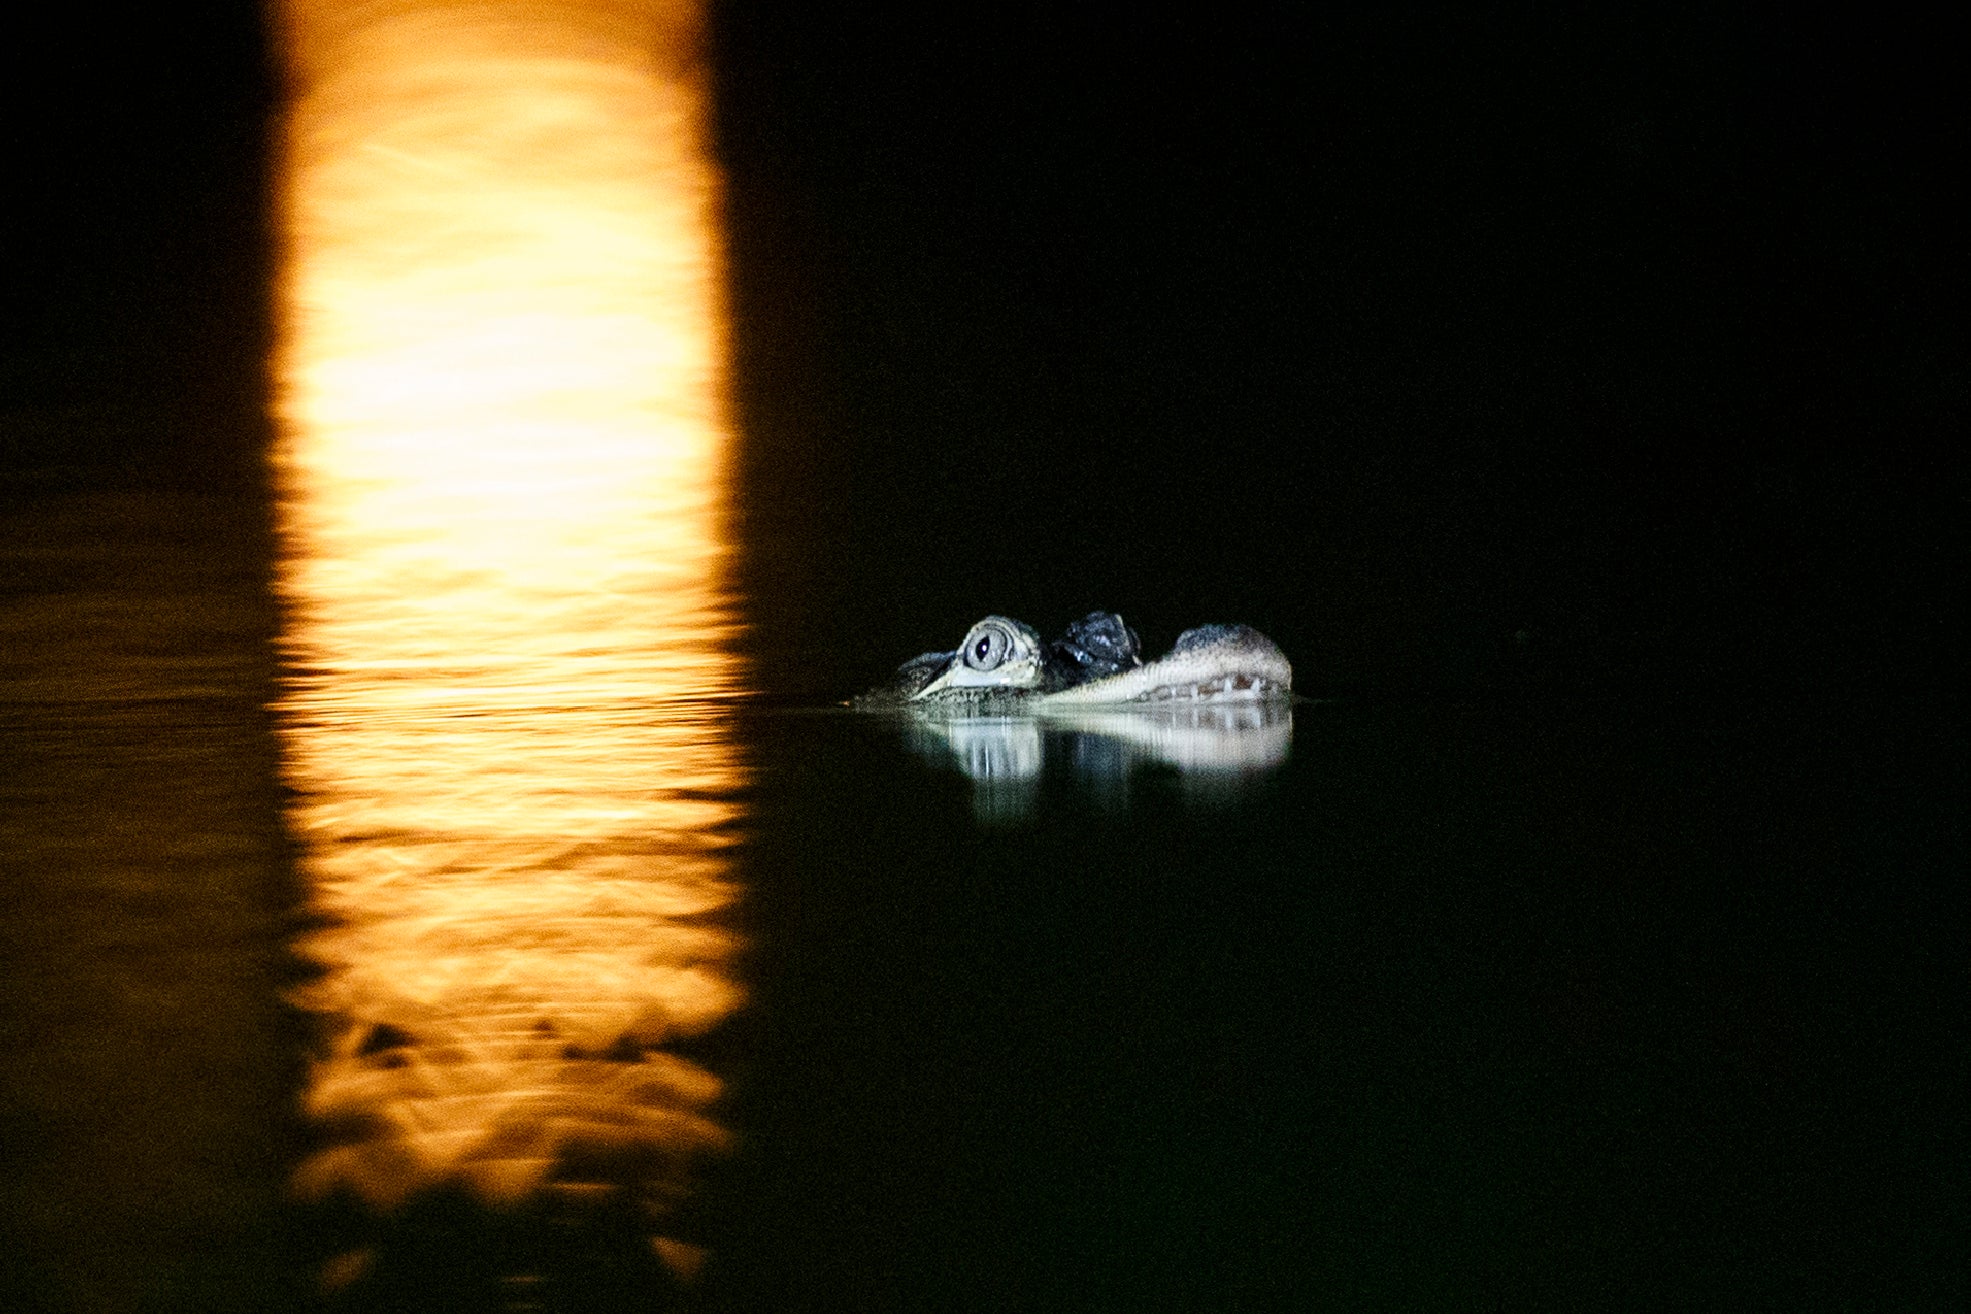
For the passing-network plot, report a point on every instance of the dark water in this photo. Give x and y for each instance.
(1524, 1004)
(1467, 1002)
(146, 1074)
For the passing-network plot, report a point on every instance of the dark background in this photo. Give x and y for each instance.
(136, 244)
(1590, 346)
(1453, 346)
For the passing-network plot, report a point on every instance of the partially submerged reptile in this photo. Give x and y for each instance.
(1003, 664)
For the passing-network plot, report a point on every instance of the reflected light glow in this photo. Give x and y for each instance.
(501, 473)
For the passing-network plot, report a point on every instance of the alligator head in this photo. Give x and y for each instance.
(1003, 664)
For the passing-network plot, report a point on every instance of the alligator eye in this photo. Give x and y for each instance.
(988, 648)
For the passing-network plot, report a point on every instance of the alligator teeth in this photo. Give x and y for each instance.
(1230, 686)
(1235, 687)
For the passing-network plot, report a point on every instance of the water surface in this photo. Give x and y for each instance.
(1527, 1001)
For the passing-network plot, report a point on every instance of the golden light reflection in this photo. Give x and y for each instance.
(501, 479)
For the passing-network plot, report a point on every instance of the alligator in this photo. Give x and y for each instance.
(1003, 665)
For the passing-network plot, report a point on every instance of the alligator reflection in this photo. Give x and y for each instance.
(500, 474)
(1215, 750)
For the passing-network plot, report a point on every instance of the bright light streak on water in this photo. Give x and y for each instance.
(501, 471)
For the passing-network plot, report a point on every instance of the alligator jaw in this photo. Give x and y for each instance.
(1233, 664)
(1241, 687)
